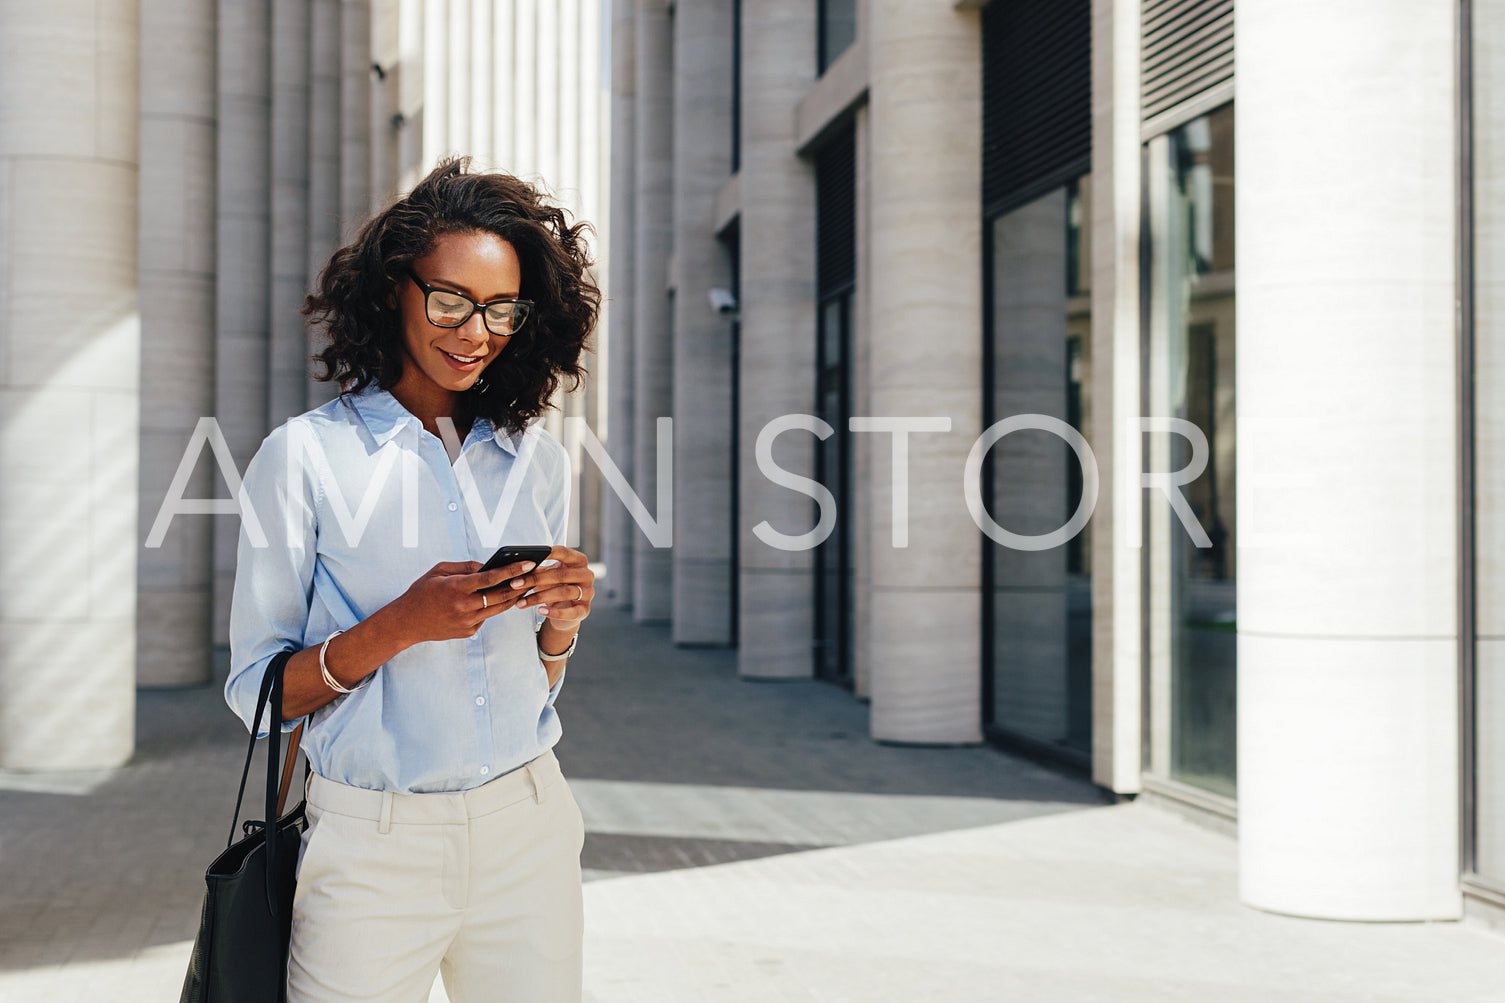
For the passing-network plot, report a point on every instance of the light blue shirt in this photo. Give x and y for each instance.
(343, 508)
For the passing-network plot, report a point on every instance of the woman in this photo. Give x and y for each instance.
(441, 835)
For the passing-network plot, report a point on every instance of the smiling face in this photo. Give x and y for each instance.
(439, 362)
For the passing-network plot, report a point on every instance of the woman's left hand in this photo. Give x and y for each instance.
(562, 591)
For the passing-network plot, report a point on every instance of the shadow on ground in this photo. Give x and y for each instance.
(676, 762)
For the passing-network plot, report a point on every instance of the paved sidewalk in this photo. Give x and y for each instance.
(746, 841)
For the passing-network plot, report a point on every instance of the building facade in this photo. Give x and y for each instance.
(1112, 379)
(164, 206)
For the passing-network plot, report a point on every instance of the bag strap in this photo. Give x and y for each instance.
(270, 695)
(294, 743)
(273, 670)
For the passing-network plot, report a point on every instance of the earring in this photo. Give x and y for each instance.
(480, 386)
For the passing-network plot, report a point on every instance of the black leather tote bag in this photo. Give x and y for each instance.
(240, 955)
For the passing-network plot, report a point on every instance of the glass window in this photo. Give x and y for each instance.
(835, 284)
(833, 557)
(838, 30)
(1189, 379)
(1040, 663)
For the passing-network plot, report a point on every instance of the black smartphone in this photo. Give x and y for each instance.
(511, 555)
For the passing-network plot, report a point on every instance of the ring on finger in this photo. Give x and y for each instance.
(580, 593)
(484, 603)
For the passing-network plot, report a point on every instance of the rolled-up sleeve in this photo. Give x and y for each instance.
(273, 572)
(557, 516)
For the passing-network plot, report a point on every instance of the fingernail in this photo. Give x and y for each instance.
(528, 566)
(517, 583)
(544, 610)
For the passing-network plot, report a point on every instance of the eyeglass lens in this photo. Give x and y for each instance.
(447, 309)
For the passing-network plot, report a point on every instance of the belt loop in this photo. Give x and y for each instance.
(385, 826)
(537, 784)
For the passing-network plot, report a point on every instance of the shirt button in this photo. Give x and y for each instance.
(485, 770)
(453, 506)
(480, 701)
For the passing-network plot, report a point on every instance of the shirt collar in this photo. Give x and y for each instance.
(384, 417)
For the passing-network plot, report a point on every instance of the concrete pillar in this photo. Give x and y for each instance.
(1488, 29)
(242, 258)
(176, 281)
(482, 86)
(504, 86)
(325, 119)
(386, 100)
(653, 346)
(457, 77)
(412, 104)
(546, 49)
(564, 180)
(524, 44)
(436, 140)
(776, 588)
(359, 132)
(1347, 643)
(287, 389)
(617, 527)
(595, 129)
(702, 338)
(1114, 431)
(69, 384)
(926, 344)
(571, 56)
(861, 363)
(594, 166)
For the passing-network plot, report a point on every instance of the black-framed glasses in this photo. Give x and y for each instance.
(446, 308)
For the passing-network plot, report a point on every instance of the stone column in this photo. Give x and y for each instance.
(359, 131)
(926, 351)
(325, 119)
(1488, 69)
(435, 85)
(504, 44)
(653, 347)
(571, 56)
(524, 91)
(287, 391)
(243, 259)
(776, 588)
(457, 78)
(69, 384)
(177, 191)
(564, 180)
(412, 100)
(545, 43)
(618, 529)
(386, 99)
(594, 164)
(1347, 642)
(1114, 431)
(702, 338)
(482, 86)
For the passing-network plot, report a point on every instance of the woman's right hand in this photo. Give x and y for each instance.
(442, 604)
(445, 603)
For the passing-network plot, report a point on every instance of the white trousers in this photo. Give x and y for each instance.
(481, 886)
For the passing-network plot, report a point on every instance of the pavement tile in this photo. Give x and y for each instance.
(746, 841)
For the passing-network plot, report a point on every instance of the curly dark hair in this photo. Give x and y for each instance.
(355, 301)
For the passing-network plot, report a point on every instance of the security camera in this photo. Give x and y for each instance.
(723, 302)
